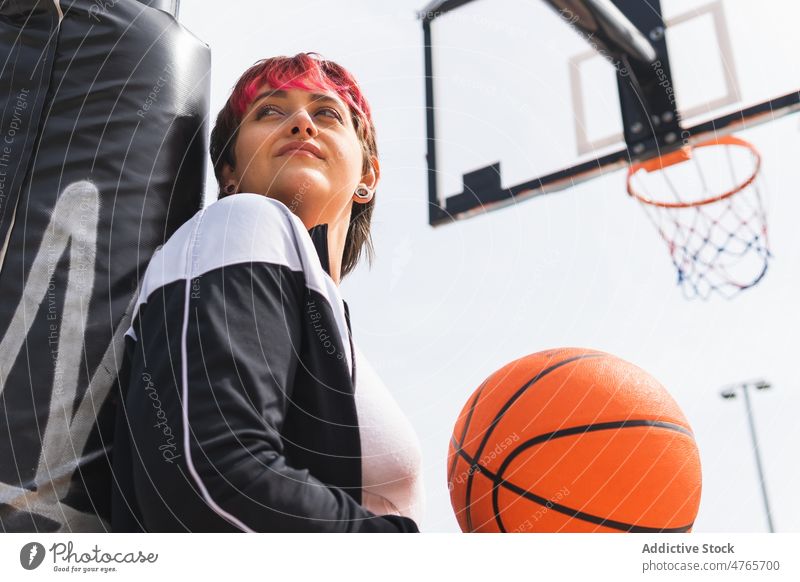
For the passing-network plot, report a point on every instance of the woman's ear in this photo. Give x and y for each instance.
(228, 178)
(373, 175)
(370, 180)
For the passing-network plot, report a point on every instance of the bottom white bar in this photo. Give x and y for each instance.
(388, 557)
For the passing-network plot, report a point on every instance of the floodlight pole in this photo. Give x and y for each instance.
(730, 393)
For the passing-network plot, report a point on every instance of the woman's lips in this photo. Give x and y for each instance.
(299, 153)
(304, 147)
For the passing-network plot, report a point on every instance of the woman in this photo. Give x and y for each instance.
(241, 409)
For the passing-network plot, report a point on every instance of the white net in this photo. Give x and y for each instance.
(707, 205)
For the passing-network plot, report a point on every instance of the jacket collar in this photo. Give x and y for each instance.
(319, 236)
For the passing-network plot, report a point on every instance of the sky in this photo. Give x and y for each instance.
(443, 308)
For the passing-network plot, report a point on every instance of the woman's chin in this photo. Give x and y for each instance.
(298, 182)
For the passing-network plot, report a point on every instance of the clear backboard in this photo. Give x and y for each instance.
(524, 96)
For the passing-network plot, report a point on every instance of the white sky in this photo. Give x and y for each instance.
(443, 308)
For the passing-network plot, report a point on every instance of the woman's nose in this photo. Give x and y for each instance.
(303, 125)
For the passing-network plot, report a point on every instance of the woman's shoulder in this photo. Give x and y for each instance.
(237, 229)
(241, 215)
(243, 228)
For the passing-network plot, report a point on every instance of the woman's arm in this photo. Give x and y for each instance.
(248, 338)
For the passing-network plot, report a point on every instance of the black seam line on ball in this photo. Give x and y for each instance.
(466, 427)
(468, 488)
(544, 438)
(505, 407)
(564, 432)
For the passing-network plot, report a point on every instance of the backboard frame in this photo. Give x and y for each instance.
(482, 190)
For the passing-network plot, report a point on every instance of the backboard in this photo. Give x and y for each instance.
(522, 101)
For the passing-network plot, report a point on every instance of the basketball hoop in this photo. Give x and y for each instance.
(705, 201)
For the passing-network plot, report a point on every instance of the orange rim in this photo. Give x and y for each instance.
(684, 154)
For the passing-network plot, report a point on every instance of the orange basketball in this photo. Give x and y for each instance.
(573, 440)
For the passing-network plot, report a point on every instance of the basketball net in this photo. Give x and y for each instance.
(706, 203)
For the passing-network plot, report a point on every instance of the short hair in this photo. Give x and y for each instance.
(307, 71)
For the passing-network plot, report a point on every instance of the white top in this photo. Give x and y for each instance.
(391, 454)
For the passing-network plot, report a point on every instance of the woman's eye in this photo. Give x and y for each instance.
(263, 110)
(333, 112)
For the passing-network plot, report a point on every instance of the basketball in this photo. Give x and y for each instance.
(573, 440)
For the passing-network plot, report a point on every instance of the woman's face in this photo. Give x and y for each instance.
(319, 185)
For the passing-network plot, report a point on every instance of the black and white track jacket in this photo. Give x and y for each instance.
(236, 391)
